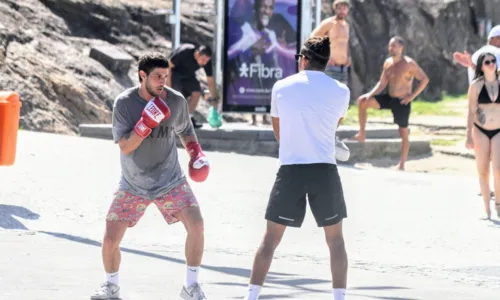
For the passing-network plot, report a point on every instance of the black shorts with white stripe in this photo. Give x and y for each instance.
(323, 188)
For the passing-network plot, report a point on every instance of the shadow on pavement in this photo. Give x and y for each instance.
(272, 278)
(7, 220)
(496, 222)
(283, 280)
(383, 297)
(378, 288)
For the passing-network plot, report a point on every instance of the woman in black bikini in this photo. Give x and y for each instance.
(483, 126)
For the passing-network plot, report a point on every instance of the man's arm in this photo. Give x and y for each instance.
(340, 122)
(276, 127)
(130, 142)
(211, 86)
(422, 78)
(123, 132)
(464, 59)
(183, 127)
(275, 120)
(322, 29)
(349, 60)
(186, 139)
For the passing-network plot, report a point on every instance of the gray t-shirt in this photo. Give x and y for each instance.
(153, 169)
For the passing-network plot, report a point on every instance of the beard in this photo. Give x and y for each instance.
(155, 92)
(340, 16)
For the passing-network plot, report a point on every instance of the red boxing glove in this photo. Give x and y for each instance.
(153, 114)
(198, 164)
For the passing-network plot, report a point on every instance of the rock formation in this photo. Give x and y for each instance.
(432, 29)
(45, 45)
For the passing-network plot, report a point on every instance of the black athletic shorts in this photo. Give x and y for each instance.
(185, 85)
(400, 112)
(320, 182)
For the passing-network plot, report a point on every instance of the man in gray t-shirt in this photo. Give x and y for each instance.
(146, 121)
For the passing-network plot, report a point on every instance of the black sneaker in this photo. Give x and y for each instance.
(195, 123)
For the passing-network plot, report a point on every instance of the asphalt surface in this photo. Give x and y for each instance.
(408, 236)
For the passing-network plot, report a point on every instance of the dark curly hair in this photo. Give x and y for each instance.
(317, 51)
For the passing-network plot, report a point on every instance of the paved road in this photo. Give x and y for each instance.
(409, 236)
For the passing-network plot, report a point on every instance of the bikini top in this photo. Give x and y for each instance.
(484, 98)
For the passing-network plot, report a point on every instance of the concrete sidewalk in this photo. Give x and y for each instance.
(53, 266)
(252, 140)
(408, 236)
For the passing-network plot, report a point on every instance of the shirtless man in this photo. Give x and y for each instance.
(337, 29)
(398, 72)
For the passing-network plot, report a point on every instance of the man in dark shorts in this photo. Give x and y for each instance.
(183, 63)
(146, 120)
(306, 131)
(398, 72)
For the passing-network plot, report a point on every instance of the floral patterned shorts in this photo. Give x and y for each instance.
(129, 207)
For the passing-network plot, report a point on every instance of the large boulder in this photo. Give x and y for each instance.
(44, 55)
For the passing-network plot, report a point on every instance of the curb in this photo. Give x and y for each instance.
(261, 141)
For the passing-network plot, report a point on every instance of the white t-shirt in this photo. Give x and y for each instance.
(488, 48)
(309, 106)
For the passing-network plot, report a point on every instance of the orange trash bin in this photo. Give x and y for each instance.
(10, 111)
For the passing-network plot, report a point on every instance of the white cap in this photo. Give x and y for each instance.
(494, 32)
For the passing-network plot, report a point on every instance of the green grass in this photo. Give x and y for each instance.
(445, 107)
(443, 142)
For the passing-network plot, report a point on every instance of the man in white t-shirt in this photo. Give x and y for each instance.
(493, 47)
(306, 109)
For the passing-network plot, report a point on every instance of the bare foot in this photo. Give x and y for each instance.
(401, 168)
(359, 137)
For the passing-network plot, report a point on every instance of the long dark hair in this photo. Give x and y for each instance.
(479, 65)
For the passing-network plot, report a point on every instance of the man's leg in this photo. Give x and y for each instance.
(401, 115)
(111, 255)
(338, 259)
(405, 146)
(195, 240)
(326, 198)
(263, 258)
(125, 211)
(363, 105)
(180, 204)
(286, 207)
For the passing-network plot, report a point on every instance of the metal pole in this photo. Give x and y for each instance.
(317, 16)
(176, 32)
(218, 41)
(306, 24)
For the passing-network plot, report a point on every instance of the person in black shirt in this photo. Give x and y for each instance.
(183, 64)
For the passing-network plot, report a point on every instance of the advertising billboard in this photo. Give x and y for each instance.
(260, 41)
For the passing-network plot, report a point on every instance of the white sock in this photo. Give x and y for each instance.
(192, 275)
(113, 277)
(339, 294)
(253, 292)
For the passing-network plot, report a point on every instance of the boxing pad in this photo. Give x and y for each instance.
(342, 152)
